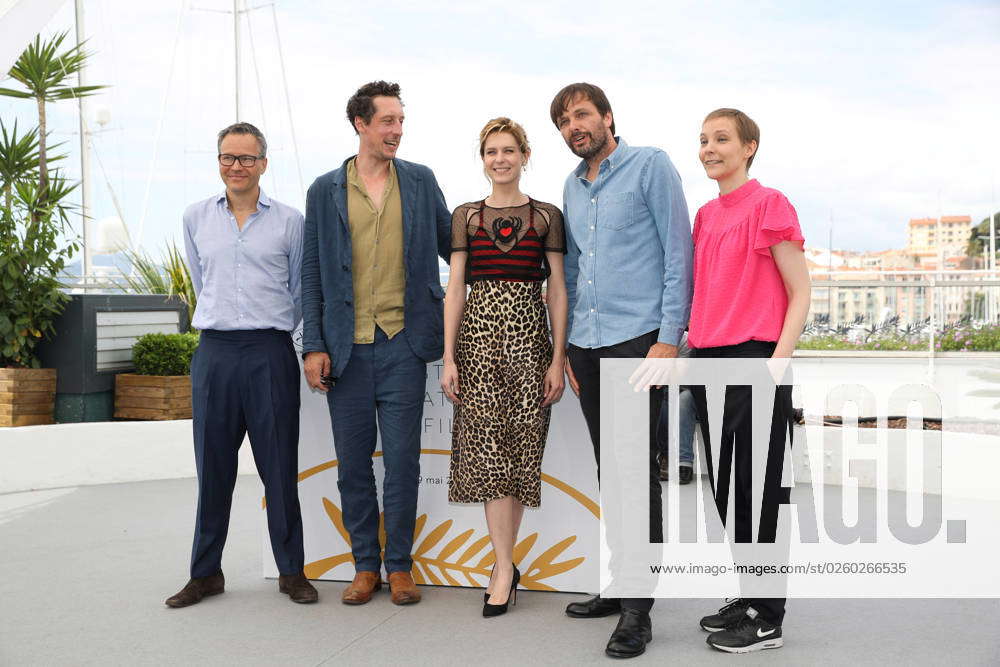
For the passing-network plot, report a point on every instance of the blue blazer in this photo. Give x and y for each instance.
(327, 283)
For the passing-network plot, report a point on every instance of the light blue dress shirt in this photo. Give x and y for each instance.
(249, 278)
(629, 252)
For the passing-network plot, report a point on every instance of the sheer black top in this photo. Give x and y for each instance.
(507, 243)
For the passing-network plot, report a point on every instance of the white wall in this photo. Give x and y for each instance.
(45, 457)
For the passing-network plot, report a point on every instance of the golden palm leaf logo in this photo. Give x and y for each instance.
(461, 556)
(463, 560)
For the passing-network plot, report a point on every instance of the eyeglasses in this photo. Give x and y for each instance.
(227, 160)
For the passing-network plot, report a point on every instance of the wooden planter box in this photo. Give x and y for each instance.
(152, 396)
(27, 396)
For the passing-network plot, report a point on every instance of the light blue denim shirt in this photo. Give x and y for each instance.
(249, 278)
(629, 254)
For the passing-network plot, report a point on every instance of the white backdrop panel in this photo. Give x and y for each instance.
(558, 544)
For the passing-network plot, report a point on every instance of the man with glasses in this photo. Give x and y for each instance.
(372, 319)
(244, 252)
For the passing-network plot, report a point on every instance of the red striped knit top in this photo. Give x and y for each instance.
(507, 243)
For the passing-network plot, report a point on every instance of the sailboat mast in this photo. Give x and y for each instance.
(84, 157)
(236, 44)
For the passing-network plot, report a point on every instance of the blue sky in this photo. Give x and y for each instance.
(871, 113)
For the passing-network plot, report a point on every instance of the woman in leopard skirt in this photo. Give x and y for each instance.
(501, 369)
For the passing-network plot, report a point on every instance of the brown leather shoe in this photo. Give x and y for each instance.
(360, 590)
(664, 468)
(297, 587)
(196, 589)
(403, 590)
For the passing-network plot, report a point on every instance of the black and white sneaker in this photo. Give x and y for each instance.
(751, 633)
(733, 611)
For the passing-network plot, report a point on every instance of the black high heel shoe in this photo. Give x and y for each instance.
(490, 610)
(486, 596)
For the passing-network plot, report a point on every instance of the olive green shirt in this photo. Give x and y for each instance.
(377, 256)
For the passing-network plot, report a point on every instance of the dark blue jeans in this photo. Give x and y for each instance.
(380, 393)
(687, 416)
(246, 381)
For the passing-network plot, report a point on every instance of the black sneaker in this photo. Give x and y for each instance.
(748, 634)
(735, 609)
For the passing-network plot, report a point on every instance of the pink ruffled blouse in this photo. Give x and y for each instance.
(738, 291)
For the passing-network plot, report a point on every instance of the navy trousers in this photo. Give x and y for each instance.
(246, 381)
(380, 392)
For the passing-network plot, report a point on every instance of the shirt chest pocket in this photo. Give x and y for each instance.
(267, 253)
(215, 250)
(616, 210)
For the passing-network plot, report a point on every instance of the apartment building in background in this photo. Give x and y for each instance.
(863, 283)
(930, 238)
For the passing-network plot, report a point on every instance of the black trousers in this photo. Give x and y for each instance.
(246, 381)
(736, 451)
(586, 365)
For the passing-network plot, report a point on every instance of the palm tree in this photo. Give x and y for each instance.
(44, 74)
(18, 159)
(19, 154)
(169, 276)
(34, 207)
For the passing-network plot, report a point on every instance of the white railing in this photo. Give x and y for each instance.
(94, 284)
(932, 299)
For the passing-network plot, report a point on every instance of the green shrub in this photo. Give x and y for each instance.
(888, 342)
(164, 354)
(975, 339)
(964, 338)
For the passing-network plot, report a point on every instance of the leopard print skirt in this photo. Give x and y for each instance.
(499, 430)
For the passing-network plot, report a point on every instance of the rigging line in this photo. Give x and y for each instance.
(260, 93)
(288, 105)
(159, 125)
(107, 181)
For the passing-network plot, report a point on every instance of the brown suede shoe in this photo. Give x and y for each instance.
(360, 590)
(403, 590)
(664, 467)
(196, 589)
(297, 587)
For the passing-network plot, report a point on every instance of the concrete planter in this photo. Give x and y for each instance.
(156, 397)
(27, 396)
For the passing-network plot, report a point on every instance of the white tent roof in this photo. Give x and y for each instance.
(20, 21)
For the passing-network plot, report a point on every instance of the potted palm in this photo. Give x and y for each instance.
(170, 276)
(160, 388)
(35, 239)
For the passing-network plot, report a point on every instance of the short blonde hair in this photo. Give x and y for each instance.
(503, 124)
(746, 129)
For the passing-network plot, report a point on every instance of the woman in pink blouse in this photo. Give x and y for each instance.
(751, 297)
